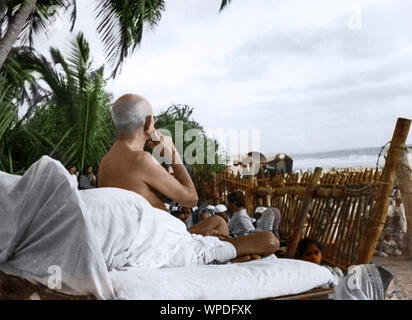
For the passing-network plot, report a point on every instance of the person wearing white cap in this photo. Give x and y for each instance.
(259, 211)
(221, 210)
(258, 214)
(211, 209)
(269, 221)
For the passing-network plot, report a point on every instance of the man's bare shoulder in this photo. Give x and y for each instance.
(143, 156)
(146, 160)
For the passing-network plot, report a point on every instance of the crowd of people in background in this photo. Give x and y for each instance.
(234, 215)
(86, 180)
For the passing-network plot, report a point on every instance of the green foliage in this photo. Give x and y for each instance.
(72, 124)
(68, 116)
(8, 119)
(179, 115)
(120, 25)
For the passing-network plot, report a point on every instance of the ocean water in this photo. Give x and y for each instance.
(354, 158)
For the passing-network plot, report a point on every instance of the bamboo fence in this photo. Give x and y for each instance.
(345, 210)
(341, 205)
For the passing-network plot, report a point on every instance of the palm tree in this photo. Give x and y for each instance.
(23, 18)
(120, 23)
(74, 123)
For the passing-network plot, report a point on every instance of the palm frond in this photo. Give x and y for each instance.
(72, 122)
(73, 15)
(224, 4)
(121, 24)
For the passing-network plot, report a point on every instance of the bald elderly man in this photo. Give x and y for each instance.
(126, 165)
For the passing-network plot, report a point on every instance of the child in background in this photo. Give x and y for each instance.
(372, 282)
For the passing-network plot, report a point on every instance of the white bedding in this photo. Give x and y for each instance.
(45, 221)
(258, 279)
(44, 228)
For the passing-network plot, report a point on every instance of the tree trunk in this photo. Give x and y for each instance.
(405, 187)
(14, 29)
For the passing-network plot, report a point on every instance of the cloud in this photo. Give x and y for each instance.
(311, 75)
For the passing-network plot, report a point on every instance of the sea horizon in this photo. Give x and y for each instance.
(357, 158)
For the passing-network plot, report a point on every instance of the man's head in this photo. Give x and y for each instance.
(184, 213)
(236, 201)
(259, 211)
(398, 202)
(73, 170)
(133, 114)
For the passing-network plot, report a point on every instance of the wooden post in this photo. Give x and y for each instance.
(384, 190)
(215, 192)
(404, 178)
(268, 203)
(250, 195)
(301, 218)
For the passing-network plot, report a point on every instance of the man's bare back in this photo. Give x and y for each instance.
(122, 167)
(128, 166)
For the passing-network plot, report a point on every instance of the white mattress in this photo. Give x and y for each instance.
(46, 222)
(258, 279)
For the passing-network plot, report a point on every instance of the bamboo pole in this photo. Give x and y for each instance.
(380, 211)
(301, 219)
(405, 187)
(250, 196)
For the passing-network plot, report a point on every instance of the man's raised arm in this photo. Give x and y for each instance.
(179, 187)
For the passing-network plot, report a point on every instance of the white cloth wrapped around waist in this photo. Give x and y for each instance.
(133, 233)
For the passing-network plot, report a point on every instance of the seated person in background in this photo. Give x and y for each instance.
(269, 221)
(87, 179)
(390, 247)
(212, 227)
(258, 213)
(185, 214)
(207, 224)
(398, 224)
(221, 211)
(211, 209)
(126, 165)
(362, 282)
(204, 213)
(240, 223)
(75, 175)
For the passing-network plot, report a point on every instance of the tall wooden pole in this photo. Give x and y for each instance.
(385, 187)
(250, 195)
(302, 216)
(404, 178)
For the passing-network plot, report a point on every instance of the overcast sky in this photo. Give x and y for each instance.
(311, 75)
